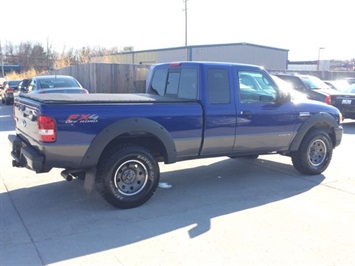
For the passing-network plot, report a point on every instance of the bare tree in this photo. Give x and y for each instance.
(84, 55)
(39, 58)
(65, 58)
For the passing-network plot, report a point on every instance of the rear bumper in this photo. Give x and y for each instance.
(26, 156)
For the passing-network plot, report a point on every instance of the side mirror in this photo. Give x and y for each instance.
(284, 96)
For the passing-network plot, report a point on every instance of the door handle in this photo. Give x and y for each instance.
(246, 113)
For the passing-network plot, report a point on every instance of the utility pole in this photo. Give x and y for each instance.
(185, 9)
(2, 62)
(318, 62)
(187, 49)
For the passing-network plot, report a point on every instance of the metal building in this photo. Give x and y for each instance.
(269, 57)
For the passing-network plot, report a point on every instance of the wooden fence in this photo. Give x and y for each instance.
(108, 78)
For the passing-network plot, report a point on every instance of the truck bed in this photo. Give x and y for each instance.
(80, 118)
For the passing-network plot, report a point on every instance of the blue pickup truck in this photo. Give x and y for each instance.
(190, 110)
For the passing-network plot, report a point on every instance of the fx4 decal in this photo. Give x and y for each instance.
(82, 118)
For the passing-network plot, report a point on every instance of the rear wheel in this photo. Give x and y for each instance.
(128, 176)
(314, 153)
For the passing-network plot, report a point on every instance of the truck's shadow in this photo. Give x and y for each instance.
(62, 214)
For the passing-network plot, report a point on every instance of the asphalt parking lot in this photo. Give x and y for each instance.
(217, 212)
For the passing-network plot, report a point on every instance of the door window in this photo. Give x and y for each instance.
(255, 87)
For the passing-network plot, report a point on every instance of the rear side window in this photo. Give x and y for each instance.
(180, 83)
(218, 86)
(159, 82)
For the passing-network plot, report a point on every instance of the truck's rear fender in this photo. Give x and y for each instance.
(132, 130)
(320, 120)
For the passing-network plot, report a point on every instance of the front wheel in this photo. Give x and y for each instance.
(128, 176)
(314, 153)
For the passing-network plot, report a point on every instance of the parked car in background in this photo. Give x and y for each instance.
(312, 86)
(284, 85)
(339, 84)
(350, 89)
(350, 80)
(60, 90)
(22, 86)
(55, 84)
(1, 88)
(7, 93)
(345, 101)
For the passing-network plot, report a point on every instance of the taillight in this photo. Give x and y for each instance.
(10, 90)
(47, 129)
(328, 99)
(85, 91)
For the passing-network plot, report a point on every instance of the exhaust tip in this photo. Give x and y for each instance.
(66, 175)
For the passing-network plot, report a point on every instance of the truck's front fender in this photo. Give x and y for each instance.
(318, 120)
(122, 127)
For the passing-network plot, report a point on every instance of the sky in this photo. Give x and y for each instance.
(307, 28)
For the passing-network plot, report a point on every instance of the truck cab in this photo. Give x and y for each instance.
(244, 110)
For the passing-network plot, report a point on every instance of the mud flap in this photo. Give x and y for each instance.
(89, 182)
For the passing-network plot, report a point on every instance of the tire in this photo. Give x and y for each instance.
(314, 153)
(128, 176)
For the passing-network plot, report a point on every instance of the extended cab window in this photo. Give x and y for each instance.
(218, 86)
(181, 83)
(159, 82)
(254, 87)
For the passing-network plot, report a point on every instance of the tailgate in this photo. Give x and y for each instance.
(25, 115)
